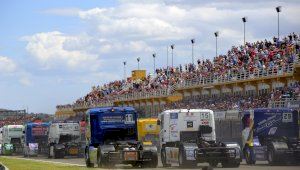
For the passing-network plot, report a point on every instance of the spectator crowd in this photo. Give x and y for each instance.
(20, 120)
(259, 56)
(240, 102)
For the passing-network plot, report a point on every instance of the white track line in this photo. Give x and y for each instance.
(38, 160)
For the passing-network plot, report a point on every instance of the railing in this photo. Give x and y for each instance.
(143, 95)
(290, 103)
(246, 75)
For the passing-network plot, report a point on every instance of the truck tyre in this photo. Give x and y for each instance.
(101, 160)
(230, 164)
(151, 164)
(87, 160)
(51, 151)
(55, 154)
(58, 154)
(271, 156)
(182, 160)
(213, 163)
(163, 156)
(249, 155)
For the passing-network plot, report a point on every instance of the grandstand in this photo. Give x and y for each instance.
(259, 74)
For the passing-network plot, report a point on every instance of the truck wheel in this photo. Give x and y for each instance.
(271, 156)
(154, 160)
(135, 165)
(55, 154)
(87, 160)
(163, 156)
(51, 151)
(99, 160)
(182, 160)
(249, 155)
(213, 163)
(230, 164)
(151, 164)
(58, 154)
(102, 162)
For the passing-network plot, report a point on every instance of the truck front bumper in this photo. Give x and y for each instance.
(129, 156)
(217, 153)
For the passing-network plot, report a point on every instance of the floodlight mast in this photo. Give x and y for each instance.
(278, 10)
(193, 42)
(244, 19)
(216, 35)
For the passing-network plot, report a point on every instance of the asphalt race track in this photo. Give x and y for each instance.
(80, 162)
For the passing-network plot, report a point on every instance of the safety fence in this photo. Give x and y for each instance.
(289, 103)
(243, 75)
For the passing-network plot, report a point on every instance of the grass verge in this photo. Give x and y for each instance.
(22, 164)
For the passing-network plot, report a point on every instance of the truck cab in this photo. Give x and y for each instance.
(64, 139)
(148, 131)
(272, 135)
(36, 138)
(112, 138)
(187, 137)
(12, 137)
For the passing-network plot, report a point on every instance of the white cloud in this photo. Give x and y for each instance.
(139, 28)
(25, 81)
(7, 65)
(54, 49)
(138, 21)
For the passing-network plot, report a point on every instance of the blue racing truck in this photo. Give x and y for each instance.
(272, 135)
(36, 138)
(112, 138)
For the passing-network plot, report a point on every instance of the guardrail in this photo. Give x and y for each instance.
(290, 103)
(143, 95)
(246, 75)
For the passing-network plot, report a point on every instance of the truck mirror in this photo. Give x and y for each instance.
(158, 122)
(23, 132)
(204, 129)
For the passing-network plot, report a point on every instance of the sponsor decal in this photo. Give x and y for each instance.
(39, 131)
(173, 115)
(189, 124)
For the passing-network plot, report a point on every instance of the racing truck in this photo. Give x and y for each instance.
(64, 139)
(187, 137)
(148, 131)
(112, 138)
(272, 135)
(12, 138)
(36, 138)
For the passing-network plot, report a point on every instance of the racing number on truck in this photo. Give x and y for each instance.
(204, 116)
(287, 117)
(129, 119)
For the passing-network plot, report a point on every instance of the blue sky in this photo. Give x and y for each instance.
(53, 51)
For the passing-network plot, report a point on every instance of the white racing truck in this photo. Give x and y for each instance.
(64, 139)
(187, 137)
(12, 135)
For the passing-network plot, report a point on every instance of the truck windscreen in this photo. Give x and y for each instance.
(67, 138)
(119, 134)
(116, 126)
(39, 131)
